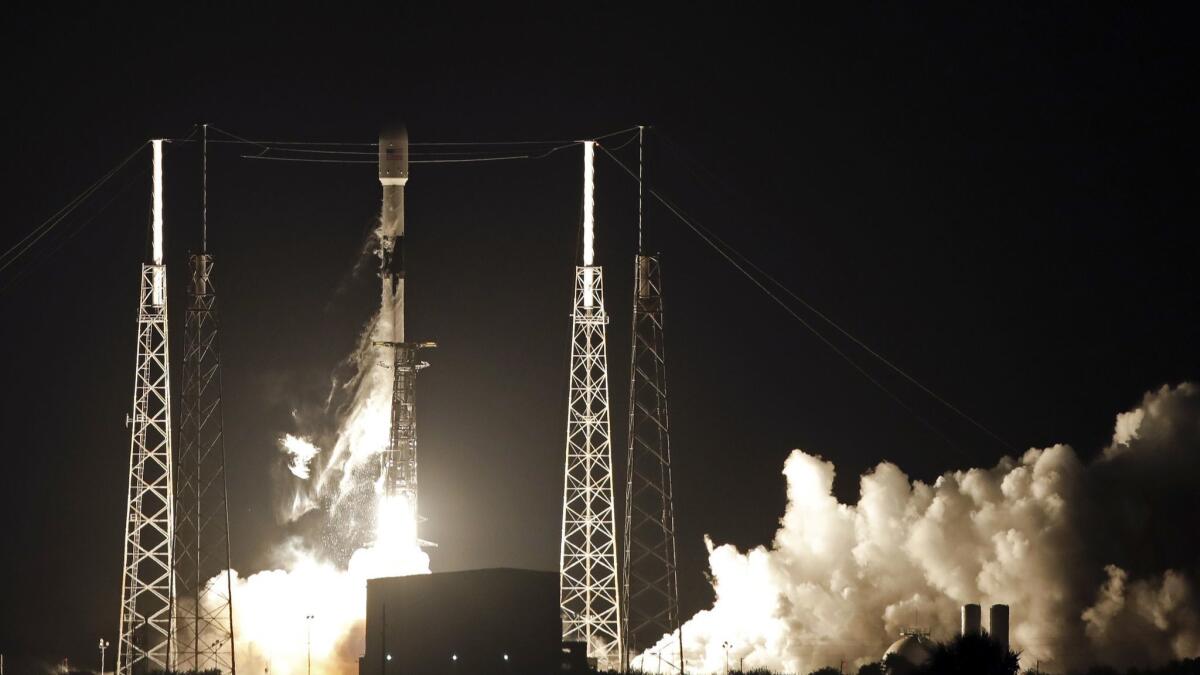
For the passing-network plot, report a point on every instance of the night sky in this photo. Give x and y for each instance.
(1002, 201)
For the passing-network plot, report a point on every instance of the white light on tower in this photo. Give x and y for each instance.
(157, 215)
(147, 578)
(588, 595)
(589, 220)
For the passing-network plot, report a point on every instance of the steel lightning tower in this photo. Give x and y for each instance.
(399, 461)
(650, 599)
(588, 591)
(203, 611)
(147, 583)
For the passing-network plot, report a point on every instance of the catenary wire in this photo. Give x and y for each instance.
(61, 215)
(79, 228)
(463, 160)
(702, 233)
(22, 247)
(695, 167)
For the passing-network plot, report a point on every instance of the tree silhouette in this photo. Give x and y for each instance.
(970, 655)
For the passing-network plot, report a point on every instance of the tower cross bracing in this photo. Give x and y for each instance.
(147, 572)
(589, 593)
(204, 600)
(649, 573)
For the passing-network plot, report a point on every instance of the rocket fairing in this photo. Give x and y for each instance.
(393, 156)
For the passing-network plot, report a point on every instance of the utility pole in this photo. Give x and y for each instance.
(103, 646)
(308, 639)
(589, 596)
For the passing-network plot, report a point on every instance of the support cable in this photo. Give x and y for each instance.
(742, 264)
(62, 241)
(25, 245)
(462, 160)
(850, 336)
(19, 249)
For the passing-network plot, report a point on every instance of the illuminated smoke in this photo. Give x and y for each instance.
(1097, 560)
(324, 576)
(302, 452)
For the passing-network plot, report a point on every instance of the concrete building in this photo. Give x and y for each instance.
(494, 621)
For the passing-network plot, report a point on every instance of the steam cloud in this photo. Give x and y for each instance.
(1099, 561)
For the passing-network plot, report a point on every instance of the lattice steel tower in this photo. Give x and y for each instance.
(203, 611)
(147, 584)
(650, 599)
(590, 601)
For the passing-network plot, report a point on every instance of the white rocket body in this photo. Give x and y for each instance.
(393, 175)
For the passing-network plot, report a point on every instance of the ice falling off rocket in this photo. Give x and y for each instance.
(398, 466)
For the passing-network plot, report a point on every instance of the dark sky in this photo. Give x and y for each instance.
(1002, 201)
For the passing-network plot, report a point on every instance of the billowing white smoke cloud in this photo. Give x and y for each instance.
(1098, 561)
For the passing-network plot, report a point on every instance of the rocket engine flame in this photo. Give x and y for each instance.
(1095, 559)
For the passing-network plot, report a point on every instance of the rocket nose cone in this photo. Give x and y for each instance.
(393, 154)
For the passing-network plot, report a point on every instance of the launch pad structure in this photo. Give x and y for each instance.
(204, 633)
(616, 598)
(649, 572)
(176, 605)
(589, 594)
(147, 574)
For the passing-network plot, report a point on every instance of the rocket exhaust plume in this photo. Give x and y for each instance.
(1097, 560)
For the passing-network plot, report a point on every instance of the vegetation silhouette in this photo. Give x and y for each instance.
(973, 657)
